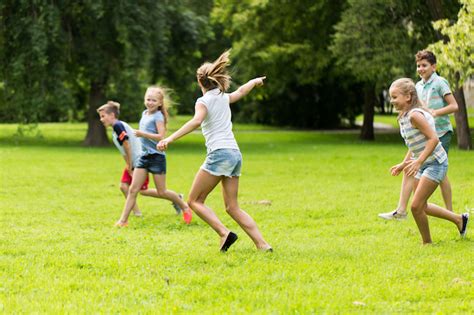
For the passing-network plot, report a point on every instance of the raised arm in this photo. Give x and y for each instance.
(245, 89)
(195, 122)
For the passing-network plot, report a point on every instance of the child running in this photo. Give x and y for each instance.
(224, 160)
(435, 96)
(129, 146)
(152, 129)
(426, 159)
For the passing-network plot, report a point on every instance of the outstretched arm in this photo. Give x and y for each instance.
(245, 89)
(199, 115)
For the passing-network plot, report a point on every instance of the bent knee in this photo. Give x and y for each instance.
(124, 187)
(232, 208)
(161, 193)
(416, 208)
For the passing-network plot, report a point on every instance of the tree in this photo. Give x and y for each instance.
(288, 42)
(32, 62)
(376, 41)
(456, 61)
(107, 41)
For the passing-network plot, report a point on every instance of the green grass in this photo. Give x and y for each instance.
(391, 120)
(61, 254)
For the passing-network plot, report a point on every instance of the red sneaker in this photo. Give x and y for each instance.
(187, 216)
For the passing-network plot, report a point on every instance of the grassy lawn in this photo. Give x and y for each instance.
(392, 119)
(61, 254)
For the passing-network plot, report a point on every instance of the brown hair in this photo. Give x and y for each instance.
(164, 100)
(406, 86)
(110, 107)
(426, 55)
(215, 75)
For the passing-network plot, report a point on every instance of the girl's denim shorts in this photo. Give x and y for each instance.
(153, 163)
(223, 162)
(433, 170)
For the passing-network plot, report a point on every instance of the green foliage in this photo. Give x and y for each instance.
(61, 254)
(376, 39)
(52, 52)
(33, 63)
(288, 42)
(455, 57)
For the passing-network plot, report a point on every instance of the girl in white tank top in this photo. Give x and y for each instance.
(224, 160)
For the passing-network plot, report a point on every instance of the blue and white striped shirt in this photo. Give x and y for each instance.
(416, 141)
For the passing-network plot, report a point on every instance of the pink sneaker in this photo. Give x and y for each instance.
(187, 216)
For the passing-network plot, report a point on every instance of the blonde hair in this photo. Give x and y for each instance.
(164, 100)
(110, 107)
(406, 86)
(215, 75)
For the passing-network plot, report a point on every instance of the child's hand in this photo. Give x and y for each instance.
(412, 167)
(259, 81)
(396, 169)
(163, 144)
(138, 133)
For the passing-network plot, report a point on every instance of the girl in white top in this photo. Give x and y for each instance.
(223, 161)
(425, 159)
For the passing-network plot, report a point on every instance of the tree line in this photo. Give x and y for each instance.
(326, 61)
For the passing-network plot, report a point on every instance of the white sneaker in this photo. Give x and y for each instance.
(393, 215)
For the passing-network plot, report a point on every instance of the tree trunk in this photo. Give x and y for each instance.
(96, 134)
(462, 124)
(367, 131)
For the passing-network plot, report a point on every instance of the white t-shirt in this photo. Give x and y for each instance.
(217, 126)
(121, 132)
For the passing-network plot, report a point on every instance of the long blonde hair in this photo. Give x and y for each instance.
(163, 95)
(215, 75)
(406, 86)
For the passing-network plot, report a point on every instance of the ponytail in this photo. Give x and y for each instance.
(215, 75)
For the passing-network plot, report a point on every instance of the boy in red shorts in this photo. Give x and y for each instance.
(128, 145)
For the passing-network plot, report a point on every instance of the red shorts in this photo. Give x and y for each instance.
(127, 179)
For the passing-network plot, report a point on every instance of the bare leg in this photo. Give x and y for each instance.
(230, 188)
(446, 192)
(124, 187)
(442, 213)
(202, 186)
(149, 193)
(163, 193)
(424, 188)
(405, 193)
(139, 177)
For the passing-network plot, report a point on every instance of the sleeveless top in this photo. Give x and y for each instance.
(416, 141)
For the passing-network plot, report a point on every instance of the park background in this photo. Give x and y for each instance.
(313, 180)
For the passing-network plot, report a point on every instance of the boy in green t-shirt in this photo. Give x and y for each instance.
(437, 98)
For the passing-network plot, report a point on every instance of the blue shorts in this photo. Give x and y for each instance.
(446, 140)
(433, 170)
(153, 163)
(223, 162)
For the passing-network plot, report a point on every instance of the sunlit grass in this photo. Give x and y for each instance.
(61, 254)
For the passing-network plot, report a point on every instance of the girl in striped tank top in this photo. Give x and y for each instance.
(425, 159)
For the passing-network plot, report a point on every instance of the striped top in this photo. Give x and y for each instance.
(416, 141)
(432, 93)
